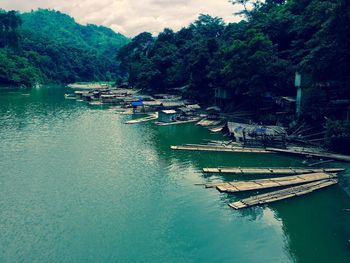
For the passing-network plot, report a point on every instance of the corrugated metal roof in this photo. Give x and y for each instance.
(254, 130)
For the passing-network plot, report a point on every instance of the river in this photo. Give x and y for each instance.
(77, 185)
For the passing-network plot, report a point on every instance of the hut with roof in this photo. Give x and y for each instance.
(138, 105)
(253, 135)
(167, 116)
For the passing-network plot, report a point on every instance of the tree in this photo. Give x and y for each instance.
(9, 23)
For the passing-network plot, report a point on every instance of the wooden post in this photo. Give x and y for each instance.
(297, 84)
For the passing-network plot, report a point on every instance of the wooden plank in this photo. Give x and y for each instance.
(271, 171)
(210, 148)
(241, 186)
(282, 194)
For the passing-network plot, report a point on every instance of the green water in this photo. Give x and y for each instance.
(77, 185)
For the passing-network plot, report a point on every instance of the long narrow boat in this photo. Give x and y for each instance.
(176, 122)
(282, 194)
(207, 123)
(271, 171)
(145, 119)
(217, 128)
(241, 186)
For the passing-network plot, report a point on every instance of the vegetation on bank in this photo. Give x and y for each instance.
(46, 45)
(256, 56)
(254, 60)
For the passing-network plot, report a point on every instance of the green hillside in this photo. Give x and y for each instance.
(53, 47)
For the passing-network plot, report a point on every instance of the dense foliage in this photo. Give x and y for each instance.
(338, 136)
(47, 45)
(256, 57)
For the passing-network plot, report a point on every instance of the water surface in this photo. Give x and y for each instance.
(77, 185)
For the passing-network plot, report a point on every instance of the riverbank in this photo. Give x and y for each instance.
(170, 109)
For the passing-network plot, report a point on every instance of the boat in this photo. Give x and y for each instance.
(69, 96)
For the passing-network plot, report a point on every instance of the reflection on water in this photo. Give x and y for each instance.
(79, 186)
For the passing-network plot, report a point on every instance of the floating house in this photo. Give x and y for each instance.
(109, 98)
(97, 94)
(258, 135)
(172, 104)
(152, 105)
(88, 96)
(79, 93)
(189, 110)
(138, 105)
(167, 96)
(167, 116)
(193, 106)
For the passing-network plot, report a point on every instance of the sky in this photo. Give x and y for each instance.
(131, 17)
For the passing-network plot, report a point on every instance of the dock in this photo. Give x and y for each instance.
(282, 194)
(218, 148)
(271, 171)
(242, 186)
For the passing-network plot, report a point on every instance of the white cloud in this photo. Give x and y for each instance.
(131, 17)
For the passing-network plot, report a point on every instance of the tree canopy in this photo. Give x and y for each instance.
(46, 45)
(255, 57)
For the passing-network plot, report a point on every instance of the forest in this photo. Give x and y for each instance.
(252, 59)
(48, 46)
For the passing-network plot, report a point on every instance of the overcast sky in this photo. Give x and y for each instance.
(131, 17)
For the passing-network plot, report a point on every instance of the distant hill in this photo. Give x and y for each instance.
(56, 26)
(59, 49)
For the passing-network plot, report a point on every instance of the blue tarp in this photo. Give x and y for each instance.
(260, 130)
(137, 103)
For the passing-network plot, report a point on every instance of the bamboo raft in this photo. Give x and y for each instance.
(271, 171)
(282, 194)
(241, 186)
(218, 148)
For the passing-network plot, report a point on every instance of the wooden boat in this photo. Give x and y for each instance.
(69, 96)
(145, 119)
